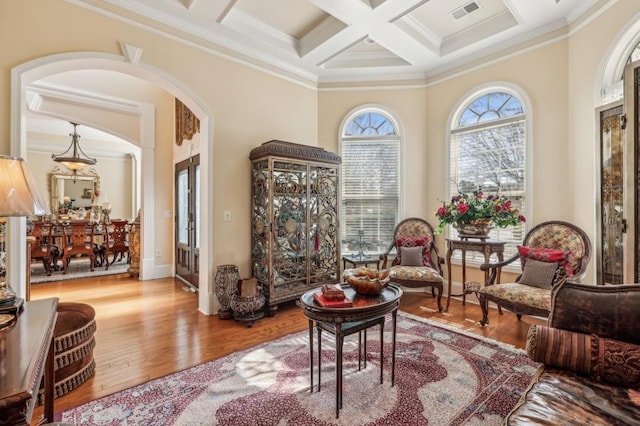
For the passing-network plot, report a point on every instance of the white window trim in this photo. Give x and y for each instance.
(400, 134)
(454, 117)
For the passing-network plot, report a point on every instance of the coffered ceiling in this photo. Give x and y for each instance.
(349, 40)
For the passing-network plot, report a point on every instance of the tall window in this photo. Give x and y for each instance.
(488, 152)
(370, 181)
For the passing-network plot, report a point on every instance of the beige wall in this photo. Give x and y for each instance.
(408, 106)
(250, 107)
(424, 114)
(590, 49)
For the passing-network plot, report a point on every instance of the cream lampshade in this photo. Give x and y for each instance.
(19, 196)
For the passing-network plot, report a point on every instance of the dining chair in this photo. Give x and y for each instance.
(43, 247)
(79, 240)
(116, 241)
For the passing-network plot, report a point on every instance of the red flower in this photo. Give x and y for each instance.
(522, 219)
(442, 211)
(463, 208)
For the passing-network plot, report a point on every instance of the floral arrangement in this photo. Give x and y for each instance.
(469, 208)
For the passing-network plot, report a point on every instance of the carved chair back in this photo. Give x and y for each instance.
(415, 229)
(115, 239)
(79, 239)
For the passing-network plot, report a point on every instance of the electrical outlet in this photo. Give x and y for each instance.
(227, 216)
(158, 253)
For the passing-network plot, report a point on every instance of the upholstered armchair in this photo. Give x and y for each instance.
(551, 253)
(417, 262)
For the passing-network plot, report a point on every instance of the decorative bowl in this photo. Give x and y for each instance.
(366, 286)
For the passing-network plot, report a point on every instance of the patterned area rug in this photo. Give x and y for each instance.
(78, 268)
(443, 377)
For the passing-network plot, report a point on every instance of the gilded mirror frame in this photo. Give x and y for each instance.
(58, 172)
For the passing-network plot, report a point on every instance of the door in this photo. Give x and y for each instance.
(611, 212)
(187, 181)
(630, 180)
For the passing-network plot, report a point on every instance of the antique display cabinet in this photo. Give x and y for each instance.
(295, 236)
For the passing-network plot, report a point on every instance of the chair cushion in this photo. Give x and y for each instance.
(562, 257)
(521, 294)
(422, 241)
(411, 256)
(559, 236)
(538, 274)
(415, 273)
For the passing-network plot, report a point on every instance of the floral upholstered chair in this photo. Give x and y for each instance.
(417, 262)
(551, 253)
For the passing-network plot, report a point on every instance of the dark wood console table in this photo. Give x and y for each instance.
(26, 354)
(480, 245)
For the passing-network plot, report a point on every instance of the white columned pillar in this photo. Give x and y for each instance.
(147, 193)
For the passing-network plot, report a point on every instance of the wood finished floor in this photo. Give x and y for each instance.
(148, 329)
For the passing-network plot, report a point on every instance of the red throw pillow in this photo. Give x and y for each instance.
(561, 257)
(424, 242)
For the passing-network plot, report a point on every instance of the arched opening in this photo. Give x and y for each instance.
(32, 71)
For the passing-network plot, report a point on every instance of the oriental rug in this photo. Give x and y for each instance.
(78, 268)
(443, 377)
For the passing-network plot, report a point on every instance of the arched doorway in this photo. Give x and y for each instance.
(37, 69)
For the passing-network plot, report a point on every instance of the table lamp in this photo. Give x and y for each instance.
(19, 196)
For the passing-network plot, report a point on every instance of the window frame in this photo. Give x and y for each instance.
(476, 259)
(393, 120)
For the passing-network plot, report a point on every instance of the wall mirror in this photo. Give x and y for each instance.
(73, 190)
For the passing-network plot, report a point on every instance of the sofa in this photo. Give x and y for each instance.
(590, 348)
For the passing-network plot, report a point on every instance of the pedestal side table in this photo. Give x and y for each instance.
(366, 311)
(481, 245)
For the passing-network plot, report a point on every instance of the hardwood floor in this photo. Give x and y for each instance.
(148, 329)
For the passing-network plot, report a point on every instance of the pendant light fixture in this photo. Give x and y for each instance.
(78, 159)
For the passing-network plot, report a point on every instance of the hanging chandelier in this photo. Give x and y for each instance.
(78, 159)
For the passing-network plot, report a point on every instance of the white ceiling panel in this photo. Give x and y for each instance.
(324, 39)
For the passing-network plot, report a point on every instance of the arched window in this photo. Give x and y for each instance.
(625, 51)
(370, 151)
(487, 152)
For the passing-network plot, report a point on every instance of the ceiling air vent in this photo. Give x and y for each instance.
(464, 10)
